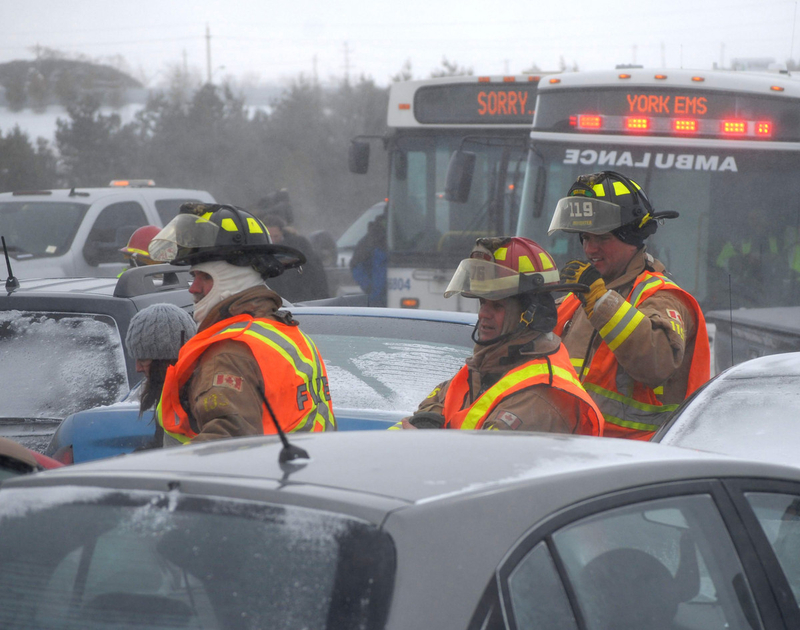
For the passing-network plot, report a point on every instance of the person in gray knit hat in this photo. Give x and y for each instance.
(154, 339)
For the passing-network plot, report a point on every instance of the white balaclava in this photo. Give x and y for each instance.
(228, 280)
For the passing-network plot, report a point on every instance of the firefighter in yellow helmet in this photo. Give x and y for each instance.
(249, 366)
(636, 339)
(519, 376)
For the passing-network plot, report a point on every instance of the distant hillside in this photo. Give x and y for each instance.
(49, 81)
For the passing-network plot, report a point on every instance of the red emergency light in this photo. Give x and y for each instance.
(734, 127)
(637, 123)
(684, 125)
(586, 121)
(763, 128)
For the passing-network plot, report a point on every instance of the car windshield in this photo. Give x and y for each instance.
(742, 417)
(34, 229)
(82, 558)
(54, 364)
(386, 363)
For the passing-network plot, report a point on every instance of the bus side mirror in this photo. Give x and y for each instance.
(358, 157)
(459, 176)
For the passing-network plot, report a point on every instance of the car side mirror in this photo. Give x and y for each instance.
(459, 176)
(358, 157)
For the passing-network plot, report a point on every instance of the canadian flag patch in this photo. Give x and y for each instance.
(673, 314)
(511, 421)
(228, 380)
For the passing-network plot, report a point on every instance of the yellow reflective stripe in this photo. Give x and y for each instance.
(525, 265)
(577, 364)
(629, 424)
(629, 402)
(253, 226)
(486, 400)
(133, 250)
(619, 327)
(320, 387)
(180, 437)
(500, 253)
(298, 361)
(659, 391)
(395, 427)
(621, 189)
(229, 225)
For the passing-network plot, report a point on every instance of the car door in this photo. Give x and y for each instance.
(671, 557)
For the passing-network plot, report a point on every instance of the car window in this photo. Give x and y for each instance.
(111, 231)
(779, 516)
(537, 594)
(40, 228)
(89, 558)
(54, 364)
(658, 565)
(168, 208)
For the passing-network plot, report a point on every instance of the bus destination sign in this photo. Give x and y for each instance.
(476, 104)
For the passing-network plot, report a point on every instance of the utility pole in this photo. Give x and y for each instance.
(208, 53)
(346, 63)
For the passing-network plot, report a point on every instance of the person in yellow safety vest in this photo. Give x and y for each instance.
(636, 339)
(249, 366)
(519, 377)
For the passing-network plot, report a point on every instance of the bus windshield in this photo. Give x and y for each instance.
(425, 228)
(735, 243)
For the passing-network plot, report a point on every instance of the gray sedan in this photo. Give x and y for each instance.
(405, 530)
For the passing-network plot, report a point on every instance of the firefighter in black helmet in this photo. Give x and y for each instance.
(249, 365)
(636, 339)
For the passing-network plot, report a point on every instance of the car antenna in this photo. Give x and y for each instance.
(290, 451)
(11, 282)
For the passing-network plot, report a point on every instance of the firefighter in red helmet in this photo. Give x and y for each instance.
(135, 251)
(519, 376)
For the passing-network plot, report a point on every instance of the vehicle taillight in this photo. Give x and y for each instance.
(590, 122)
(738, 127)
(637, 124)
(64, 455)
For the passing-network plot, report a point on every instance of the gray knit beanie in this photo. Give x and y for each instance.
(155, 332)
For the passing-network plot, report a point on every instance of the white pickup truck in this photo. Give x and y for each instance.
(79, 232)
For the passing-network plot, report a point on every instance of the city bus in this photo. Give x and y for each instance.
(722, 148)
(427, 235)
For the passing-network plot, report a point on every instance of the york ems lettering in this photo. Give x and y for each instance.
(680, 161)
(667, 104)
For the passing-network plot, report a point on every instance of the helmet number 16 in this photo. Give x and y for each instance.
(580, 209)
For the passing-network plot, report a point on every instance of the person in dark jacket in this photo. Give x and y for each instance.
(297, 285)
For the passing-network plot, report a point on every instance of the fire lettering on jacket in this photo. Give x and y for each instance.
(303, 393)
(502, 103)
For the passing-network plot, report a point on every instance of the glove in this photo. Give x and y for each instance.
(427, 420)
(578, 272)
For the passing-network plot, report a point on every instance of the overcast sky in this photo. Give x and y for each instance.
(269, 40)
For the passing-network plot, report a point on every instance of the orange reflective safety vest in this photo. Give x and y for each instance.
(294, 375)
(639, 413)
(553, 370)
